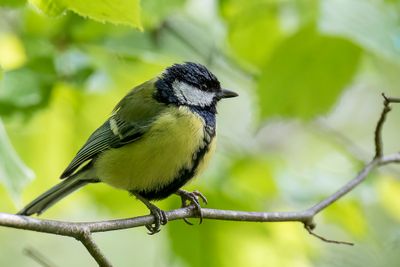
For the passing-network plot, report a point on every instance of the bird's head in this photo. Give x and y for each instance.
(190, 84)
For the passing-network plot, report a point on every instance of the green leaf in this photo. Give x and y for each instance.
(20, 87)
(256, 27)
(254, 33)
(371, 24)
(125, 12)
(14, 175)
(155, 11)
(306, 74)
(51, 8)
(27, 88)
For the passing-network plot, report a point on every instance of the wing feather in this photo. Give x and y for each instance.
(130, 120)
(99, 141)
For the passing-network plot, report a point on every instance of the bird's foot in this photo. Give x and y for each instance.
(192, 198)
(160, 218)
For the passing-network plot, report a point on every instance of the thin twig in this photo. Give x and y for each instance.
(362, 175)
(86, 238)
(391, 99)
(377, 161)
(378, 129)
(74, 229)
(310, 231)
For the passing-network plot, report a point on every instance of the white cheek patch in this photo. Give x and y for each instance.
(191, 95)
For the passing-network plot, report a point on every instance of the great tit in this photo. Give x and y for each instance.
(158, 137)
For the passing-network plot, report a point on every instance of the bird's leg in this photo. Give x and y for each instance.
(192, 198)
(160, 218)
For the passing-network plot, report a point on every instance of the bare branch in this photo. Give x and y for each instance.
(362, 175)
(310, 231)
(83, 231)
(391, 99)
(75, 229)
(87, 241)
(378, 129)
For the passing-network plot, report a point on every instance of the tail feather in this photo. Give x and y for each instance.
(54, 194)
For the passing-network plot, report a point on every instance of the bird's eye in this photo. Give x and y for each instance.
(204, 86)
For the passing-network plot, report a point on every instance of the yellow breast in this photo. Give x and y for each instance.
(155, 159)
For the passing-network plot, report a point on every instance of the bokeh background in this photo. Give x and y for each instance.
(309, 74)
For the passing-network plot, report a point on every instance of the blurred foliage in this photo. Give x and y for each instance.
(308, 72)
(331, 65)
(117, 11)
(12, 166)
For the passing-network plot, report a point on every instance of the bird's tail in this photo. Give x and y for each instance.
(56, 193)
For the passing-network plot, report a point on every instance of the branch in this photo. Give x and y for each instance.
(310, 231)
(75, 229)
(86, 238)
(82, 231)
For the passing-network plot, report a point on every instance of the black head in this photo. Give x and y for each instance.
(190, 84)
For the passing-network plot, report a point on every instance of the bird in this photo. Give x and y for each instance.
(157, 138)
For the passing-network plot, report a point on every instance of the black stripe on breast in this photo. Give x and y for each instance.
(184, 175)
(182, 178)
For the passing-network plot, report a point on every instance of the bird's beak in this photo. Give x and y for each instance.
(226, 94)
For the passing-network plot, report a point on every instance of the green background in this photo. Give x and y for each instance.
(309, 74)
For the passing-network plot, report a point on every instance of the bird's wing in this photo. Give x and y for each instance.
(131, 119)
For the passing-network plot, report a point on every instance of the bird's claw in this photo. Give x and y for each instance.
(160, 218)
(192, 198)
